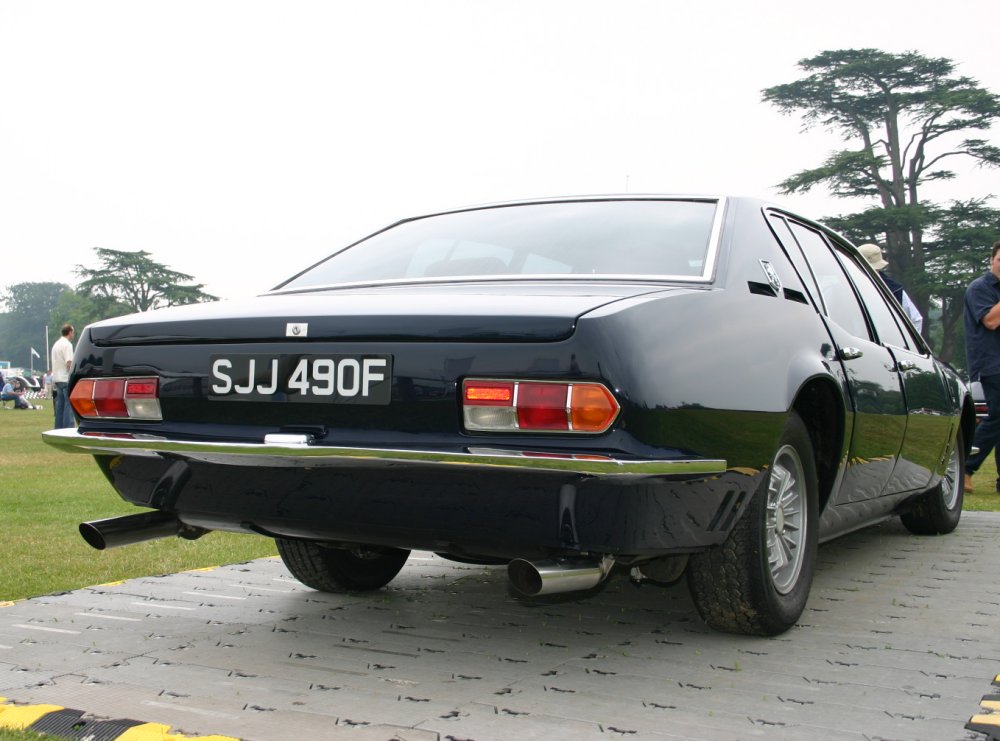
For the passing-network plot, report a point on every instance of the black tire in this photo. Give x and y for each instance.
(735, 586)
(938, 511)
(338, 569)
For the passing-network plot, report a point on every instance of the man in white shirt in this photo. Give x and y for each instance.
(62, 360)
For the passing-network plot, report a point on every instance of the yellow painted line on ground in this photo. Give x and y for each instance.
(160, 732)
(20, 717)
(990, 704)
(989, 719)
(109, 584)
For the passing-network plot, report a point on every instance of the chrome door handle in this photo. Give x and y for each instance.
(906, 365)
(849, 353)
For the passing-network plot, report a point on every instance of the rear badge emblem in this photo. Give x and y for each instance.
(297, 329)
(772, 275)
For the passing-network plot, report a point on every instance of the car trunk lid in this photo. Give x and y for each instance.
(513, 312)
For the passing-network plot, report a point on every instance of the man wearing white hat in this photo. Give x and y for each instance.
(873, 254)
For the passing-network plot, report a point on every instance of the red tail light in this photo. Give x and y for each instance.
(117, 398)
(537, 406)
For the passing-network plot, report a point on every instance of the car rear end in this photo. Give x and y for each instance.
(479, 444)
(434, 407)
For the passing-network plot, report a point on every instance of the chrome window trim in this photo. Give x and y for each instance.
(707, 272)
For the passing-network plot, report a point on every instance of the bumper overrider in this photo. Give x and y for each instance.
(476, 501)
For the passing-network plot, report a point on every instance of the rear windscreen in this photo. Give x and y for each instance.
(628, 238)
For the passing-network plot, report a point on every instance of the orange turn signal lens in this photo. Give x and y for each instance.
(82, 398)
(592, 407)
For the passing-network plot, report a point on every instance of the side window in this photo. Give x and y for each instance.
(881, 314)
(838, 296)
(794, 254)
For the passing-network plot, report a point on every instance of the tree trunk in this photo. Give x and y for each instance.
(951, 318)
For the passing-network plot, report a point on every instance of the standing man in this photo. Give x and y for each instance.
(982, 351)
(62, 359)
(873, 254)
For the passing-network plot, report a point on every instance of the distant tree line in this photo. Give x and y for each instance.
(902, 118)
(122, 283)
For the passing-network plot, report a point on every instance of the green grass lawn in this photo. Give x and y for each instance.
(984, 495)
(45, 494)
(9, 734)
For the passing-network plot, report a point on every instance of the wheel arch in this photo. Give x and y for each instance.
(821, 408)
(968, 423)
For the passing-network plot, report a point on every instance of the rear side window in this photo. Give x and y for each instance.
(881, 315)
(626, 238)
(794, 254)
(839, 299)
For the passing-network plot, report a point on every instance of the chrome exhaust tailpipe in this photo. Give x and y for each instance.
(119, 531)
(533, 578)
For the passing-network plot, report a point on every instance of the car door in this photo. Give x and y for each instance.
(870, 373)
(929, 419)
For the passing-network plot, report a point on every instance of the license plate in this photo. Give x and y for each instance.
(331, 379)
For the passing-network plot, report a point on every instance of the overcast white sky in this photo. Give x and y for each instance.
(241, 141)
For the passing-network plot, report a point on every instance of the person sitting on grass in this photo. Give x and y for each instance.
(16, 395)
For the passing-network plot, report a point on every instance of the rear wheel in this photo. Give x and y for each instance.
(758, 581)
(940, 509)
(330, 569)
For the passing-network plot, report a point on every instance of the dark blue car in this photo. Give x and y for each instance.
(671, 386)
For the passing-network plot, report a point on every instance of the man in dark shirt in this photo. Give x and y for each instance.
(982, 351)
(873, 254)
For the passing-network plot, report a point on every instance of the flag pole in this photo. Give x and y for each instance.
(48, 359)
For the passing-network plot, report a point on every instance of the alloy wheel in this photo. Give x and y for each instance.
(786, 517)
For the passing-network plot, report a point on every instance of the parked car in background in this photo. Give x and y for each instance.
(672, 386)
(979, 400)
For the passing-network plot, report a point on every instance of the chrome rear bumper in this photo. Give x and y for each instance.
(299, 451)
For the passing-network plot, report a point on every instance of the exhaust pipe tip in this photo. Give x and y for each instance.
(92, 534)
(118, 531)
(555, 576)
(525, 577)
